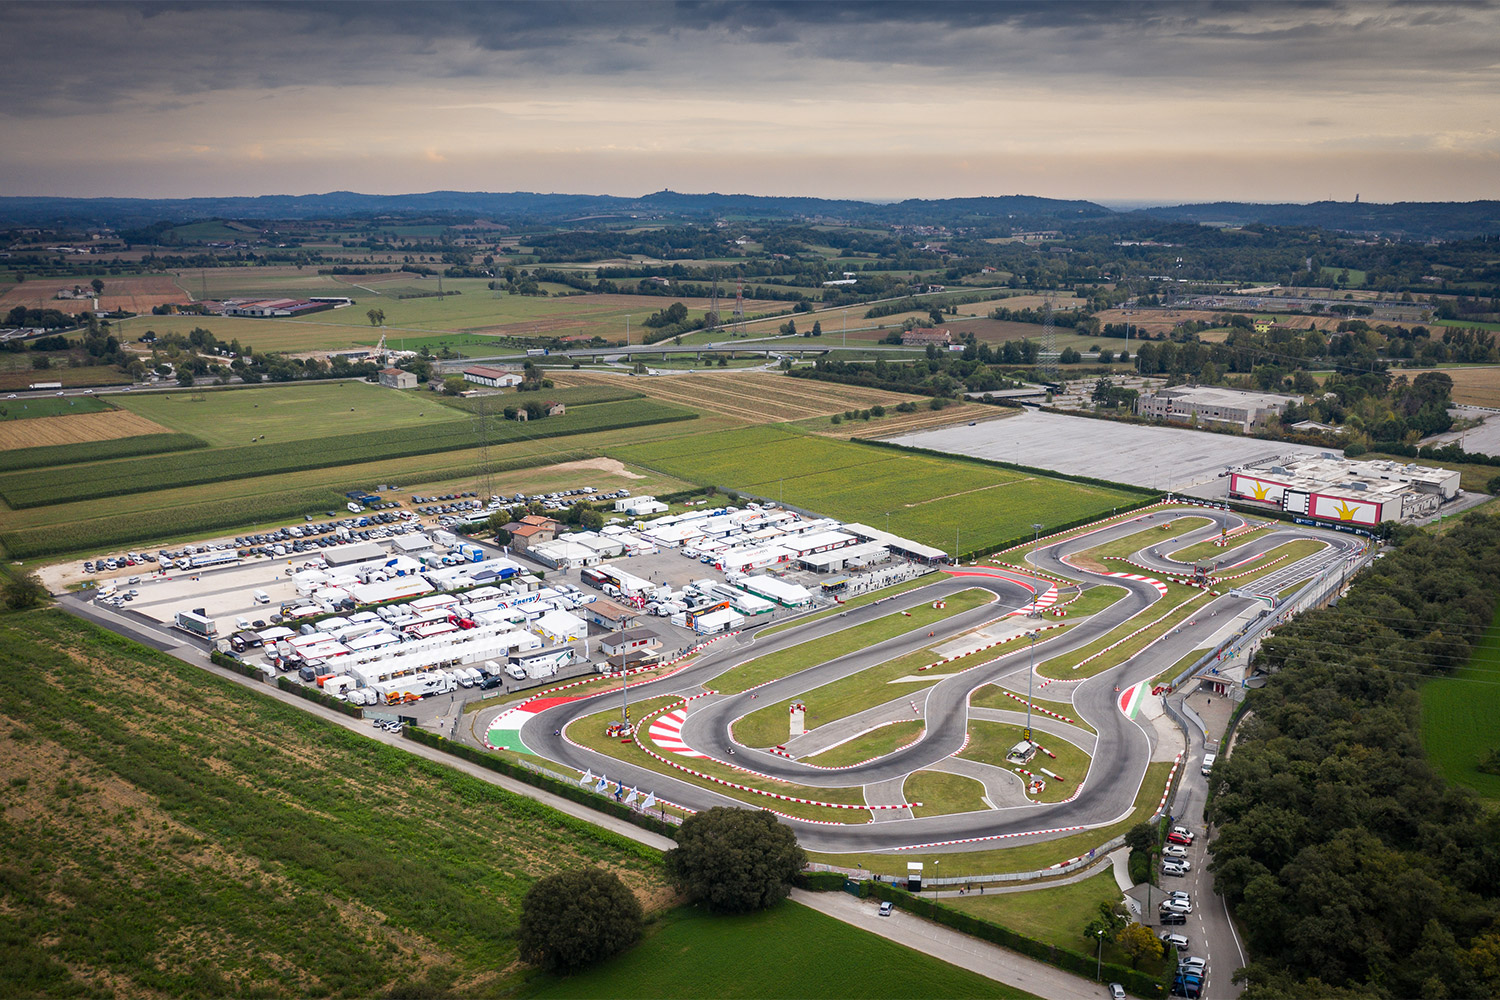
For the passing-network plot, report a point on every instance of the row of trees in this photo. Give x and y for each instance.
(1353, 867)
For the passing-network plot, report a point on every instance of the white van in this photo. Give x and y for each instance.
(261, 597)
(1208, 762)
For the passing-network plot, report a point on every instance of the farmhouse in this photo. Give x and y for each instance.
(530, 530)
(395, 378)
(495, 378)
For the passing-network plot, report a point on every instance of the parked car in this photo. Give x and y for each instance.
(1173, 869)
(1117, 992)
(1178, 941)
(886, 908)
(1169, 919)
(1185, 839)
(1174, 851)
(1176, 906)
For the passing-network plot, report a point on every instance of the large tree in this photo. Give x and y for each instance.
(24, 590)
(735, 860)
(574, 918)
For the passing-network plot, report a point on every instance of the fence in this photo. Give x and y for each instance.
(1138, 983)
(548, 781)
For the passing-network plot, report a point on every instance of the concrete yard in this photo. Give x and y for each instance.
(1165, 458)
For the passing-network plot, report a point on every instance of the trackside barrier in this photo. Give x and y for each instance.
(664, 825)
(1037, 708)
(636, 737)
(992, 645)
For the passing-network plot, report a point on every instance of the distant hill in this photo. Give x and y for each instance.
(1410, 220)
(1406, 219)
(522, 205)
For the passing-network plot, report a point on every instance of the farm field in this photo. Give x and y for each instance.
(750, 397)
(293, 412)
(894, 424)
(800, 952)
(103, 479)
(206, 511)
(136, 293)
(1475, 386)
(18, 379)
(38, 407)
(918, 496)
(1458, 717)
(285, 856)
(424, 317)
(74, 428)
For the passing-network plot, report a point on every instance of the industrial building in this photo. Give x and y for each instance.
(1330, 488)
(494, 378)
(1185, 404)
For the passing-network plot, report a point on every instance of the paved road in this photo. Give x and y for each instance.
(1114, 776)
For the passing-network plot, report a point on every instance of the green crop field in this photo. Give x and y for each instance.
(191, 513)
(47, 455)
(222, 843)
(925, 496)
(49, 406)
(786, 951)
(293, 412)
(1458, 717)
(105, 479)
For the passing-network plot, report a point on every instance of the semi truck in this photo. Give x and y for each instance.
(196, 622)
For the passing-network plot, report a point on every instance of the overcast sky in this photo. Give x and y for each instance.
(1111, 101)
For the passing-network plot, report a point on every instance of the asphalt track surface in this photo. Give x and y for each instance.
(1124, 746)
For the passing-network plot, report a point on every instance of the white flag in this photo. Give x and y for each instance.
(587, 779)
(631, 796)
(650, 800)
(603, 784)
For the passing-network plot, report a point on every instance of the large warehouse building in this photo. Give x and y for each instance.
(1337, 489)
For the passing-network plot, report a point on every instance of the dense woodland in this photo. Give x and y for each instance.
(1353, 869)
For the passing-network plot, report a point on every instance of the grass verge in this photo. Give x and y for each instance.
(876, 743)
(943, 794)
(989, 742)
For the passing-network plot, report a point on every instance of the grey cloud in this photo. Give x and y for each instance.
(145, 54)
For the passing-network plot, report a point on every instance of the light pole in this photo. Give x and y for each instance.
(1030, 674)
(1099, 958)
(1036, 535)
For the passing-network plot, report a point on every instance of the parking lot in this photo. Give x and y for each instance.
(1165, 458)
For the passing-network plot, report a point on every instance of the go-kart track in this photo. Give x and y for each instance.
(1120, 752)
